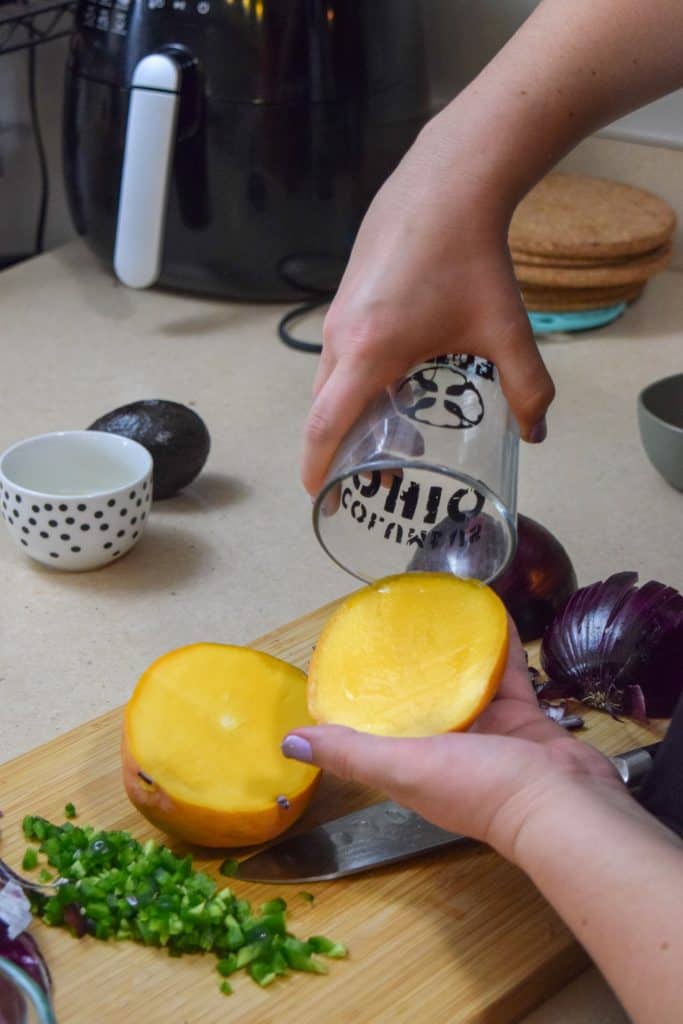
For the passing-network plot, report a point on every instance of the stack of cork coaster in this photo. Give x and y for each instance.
(582, 243)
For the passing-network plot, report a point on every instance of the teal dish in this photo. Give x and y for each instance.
(582, 320)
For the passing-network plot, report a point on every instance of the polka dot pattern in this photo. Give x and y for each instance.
(72, 533)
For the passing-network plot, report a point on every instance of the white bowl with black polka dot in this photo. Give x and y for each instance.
(76, 499)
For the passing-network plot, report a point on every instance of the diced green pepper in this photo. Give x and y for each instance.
(233, 933)
(242, 910)
(319, 944)
(254, 951)
(229, 867)
(30, 860)
(227, 966)
(279, 963)
(114, 887)
(262, 927)
(262, 972)
(298, 957)
(70, 811)
(275, 906)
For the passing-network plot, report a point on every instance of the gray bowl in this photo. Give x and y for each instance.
(660, 418)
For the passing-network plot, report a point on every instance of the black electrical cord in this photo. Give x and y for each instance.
(39, 243)
(296, 314)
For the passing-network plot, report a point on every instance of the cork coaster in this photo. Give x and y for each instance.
(573, 300)
(573, 215)
(616, 292)
(600, 275)
(533, 260)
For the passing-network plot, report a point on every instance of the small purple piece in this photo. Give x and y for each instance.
(74, 918)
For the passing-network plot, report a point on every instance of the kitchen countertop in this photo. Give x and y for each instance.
(234, 555)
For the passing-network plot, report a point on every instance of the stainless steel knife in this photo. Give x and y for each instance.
(378, 835)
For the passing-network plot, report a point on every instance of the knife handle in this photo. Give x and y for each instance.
(633, 765)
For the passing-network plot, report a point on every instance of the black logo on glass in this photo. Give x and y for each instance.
(441, 396)
(445, 392)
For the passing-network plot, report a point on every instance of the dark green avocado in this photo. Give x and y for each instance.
(175, 436)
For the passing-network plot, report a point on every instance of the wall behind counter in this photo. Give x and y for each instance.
(461, 37)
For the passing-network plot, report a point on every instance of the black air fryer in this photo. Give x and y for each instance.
(233, 146)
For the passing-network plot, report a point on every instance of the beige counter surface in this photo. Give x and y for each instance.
(235, 555)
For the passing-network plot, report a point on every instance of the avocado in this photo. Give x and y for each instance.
(175, 436)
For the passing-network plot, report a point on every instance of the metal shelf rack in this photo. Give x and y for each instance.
(28, 23)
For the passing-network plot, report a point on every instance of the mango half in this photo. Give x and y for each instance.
(201, 745)
(411, 655)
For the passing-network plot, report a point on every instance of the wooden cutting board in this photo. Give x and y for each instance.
(461, 936)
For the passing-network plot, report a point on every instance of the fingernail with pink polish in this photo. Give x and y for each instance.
(539, 432)
(297, 748)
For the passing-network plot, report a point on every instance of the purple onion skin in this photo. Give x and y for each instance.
(618, 647)
(24, 952)
(539, 580)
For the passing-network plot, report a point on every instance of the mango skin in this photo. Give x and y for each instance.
(175, 770)
(202, 826)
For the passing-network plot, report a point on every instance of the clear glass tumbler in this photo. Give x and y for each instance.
(22, 1001)
(427, 478)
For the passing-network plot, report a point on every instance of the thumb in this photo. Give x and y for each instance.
(441, 777)
(374, 760)
(526, 383)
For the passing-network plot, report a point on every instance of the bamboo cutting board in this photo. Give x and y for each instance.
(458, 937)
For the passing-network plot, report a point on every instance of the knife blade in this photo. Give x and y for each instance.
(382, 834)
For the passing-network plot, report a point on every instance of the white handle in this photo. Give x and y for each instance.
(147, 157)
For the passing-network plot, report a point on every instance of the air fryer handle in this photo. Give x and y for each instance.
(147, 160)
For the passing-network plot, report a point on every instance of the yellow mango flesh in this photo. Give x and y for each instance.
(205, 724)
(410, 655)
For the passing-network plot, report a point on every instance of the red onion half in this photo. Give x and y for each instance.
(617, 647)
(15, 943)
(535, 585)
(24, 952)
(538, 581)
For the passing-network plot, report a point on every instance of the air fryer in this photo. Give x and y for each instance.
(232, 147)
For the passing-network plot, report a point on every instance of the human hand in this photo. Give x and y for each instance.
(429, 274)
(485, 783)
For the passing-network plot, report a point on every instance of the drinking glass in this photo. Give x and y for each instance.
(22, 1001)
(427, 478)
